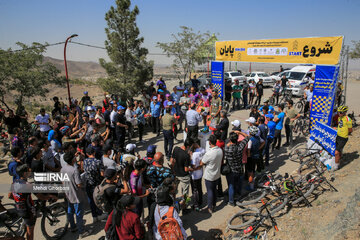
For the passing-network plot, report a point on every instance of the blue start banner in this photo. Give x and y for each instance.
(325, 136)
(323, 95)
(217, 77)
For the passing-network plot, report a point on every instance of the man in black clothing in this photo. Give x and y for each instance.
(259, 92)
(181, 165)
(284, 82)
(223, 125)
(12, 121)
(121, 126)
(245, 93)
(228, 91)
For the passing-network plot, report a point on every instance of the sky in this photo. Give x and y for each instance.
(53, 21)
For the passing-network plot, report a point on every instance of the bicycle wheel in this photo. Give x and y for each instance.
(243, 219)
(299, 106)
(306, 191)
(274, 205)
(11, 224)
(225, 106)
(272, 100)
(252, 198)
(305, 129)
(54, 223)
(297, 152)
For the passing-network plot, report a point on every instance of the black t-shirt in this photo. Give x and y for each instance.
(255, 115)
(284, 81)
(85, 100)
(112, 194)
(121, 119)
(245, 88)
(182, 160)
(228, 90)
(12, 122)
(260, 88)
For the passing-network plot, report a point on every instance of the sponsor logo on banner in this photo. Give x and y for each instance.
(325, 136)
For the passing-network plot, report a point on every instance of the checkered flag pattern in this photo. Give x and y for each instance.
(218, 87)
(320, 105)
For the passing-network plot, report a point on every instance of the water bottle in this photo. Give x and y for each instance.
(247, 230)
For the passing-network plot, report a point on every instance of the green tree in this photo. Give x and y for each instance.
(128, 69)
(24, 74)
(188, 49)
(355, 52)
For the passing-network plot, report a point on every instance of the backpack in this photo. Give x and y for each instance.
(168, 227)
(111, 233)
(99, 197)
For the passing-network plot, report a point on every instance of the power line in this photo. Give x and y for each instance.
(29, 48)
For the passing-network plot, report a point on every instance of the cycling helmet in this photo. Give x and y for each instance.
(253, 130)
(343, 108)
(289, 186)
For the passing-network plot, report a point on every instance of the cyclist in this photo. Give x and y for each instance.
(276, 91)
(284, 83)
(23, 202)
(344, 129)
(308, 94)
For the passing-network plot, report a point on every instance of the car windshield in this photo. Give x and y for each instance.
(263, 75)
(235, 74)
(295, 75)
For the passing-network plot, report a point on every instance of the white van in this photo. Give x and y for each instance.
(299, 77)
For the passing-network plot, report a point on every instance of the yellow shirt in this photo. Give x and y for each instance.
(343, 128)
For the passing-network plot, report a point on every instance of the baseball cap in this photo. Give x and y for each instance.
(186, 91)
(251, 120)
(154, 98)
(167, 95)
(130, 147)
(236, 123)
(271, 116)
(151, 149)
(120, 108)
(109, 173)
(128, 200)
(86, 92)
(169, 103)
(108, 96)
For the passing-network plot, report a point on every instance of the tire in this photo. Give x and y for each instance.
(309, 188)
(252, 198)
(299, 106)
(262, 179)
(275, 205)
(56, 217)
(251, 215)
(297, 151)
(14, 222)
(272, 101)
(305, 127)
(226, 106)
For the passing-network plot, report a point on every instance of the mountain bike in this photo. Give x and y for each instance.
(54, 221)
(301, 126)
(11, 224)
(299, 105)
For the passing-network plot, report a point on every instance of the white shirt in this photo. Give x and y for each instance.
(193, 118)
(43, 119)
(195, 160)
(212, 160)
(108, 162)
(129, 115)
(112, 118)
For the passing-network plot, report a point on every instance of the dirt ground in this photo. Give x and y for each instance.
(334, 215)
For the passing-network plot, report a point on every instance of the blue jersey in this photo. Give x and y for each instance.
(271, 109)
(280, 123)
(271, 125)
(155, 109)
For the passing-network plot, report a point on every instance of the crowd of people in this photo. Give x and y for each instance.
(96, 147)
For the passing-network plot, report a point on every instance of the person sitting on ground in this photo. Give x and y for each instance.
(127, 222)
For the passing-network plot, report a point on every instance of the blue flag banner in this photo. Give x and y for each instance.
(323, 95)
(217, 77)
(325, 136)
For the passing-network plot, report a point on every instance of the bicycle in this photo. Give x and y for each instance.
(301, 126)
(54, 221)
(11, 225)
(300, 105)
(251, 219)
